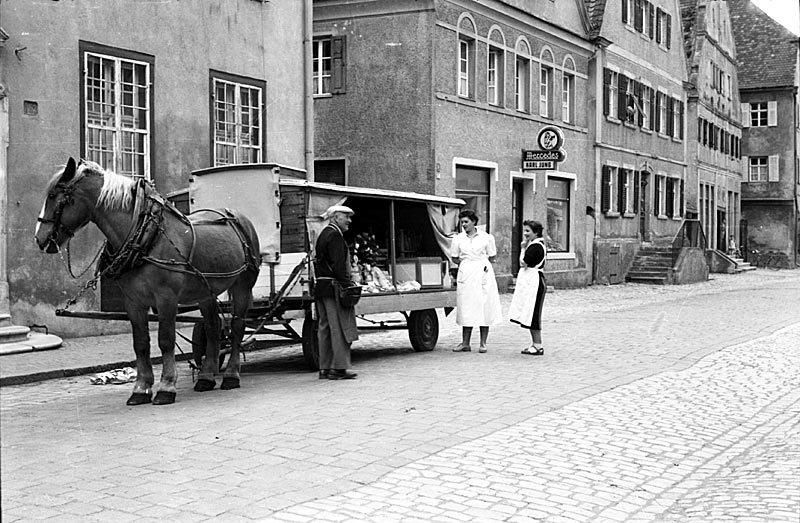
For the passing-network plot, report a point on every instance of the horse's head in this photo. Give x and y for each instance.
(66, 208)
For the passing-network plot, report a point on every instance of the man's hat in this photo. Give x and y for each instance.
(338, 208)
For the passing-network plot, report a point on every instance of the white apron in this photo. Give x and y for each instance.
(526, 289)
(477, 298)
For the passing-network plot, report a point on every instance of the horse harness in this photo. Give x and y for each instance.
(149, 210)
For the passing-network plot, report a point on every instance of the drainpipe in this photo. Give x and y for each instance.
(308, 83)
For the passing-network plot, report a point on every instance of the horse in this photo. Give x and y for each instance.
(162, 259)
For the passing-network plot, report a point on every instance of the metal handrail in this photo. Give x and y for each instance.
(690, 234)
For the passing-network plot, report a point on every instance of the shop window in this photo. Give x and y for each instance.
(558, 215)
(237, 104)
(472, 186)
(328, 71)
(116, 101)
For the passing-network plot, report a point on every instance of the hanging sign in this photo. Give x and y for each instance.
(550, 139)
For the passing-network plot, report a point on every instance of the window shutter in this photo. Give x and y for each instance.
(772, 114)
(624, 11)
(746, 168)
(622, 190)
(680, 120)
(670, 197)
(657, 196)
(651, 13)
(636, 188)
(681, 209)
(606, 90)
(622, 85)
(659, 14)
(605, 189)
(745, 114)
(669, 31)
(339, 66)
(652, 121)
(774, 175)
(638, 22)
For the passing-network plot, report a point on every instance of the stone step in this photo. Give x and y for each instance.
(34, 341)
(653, 280)
(5, 320)
(13, 333)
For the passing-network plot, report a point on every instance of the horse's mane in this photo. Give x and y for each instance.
(117, 191)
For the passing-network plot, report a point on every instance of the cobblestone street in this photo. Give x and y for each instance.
(651, 404)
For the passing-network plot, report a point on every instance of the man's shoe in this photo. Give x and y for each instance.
(323, 374)
(340, 374)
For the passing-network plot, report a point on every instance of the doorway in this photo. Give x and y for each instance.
(721, 226)
(517, 202)
(644, 210)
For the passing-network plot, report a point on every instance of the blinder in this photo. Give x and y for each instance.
(64, 189)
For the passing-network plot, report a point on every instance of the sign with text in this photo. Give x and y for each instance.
(538, 165)
(550, 139)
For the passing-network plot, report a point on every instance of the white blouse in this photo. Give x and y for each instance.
(479, 247)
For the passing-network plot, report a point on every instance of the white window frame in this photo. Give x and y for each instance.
(758, 169)
(572, 179)
(662, 112)
(613, 98)
(463, 67)
(759, 114)
(627, 174)
(126, 131)
(647, 118)
(241, 146)
(322, 75)
(494, 56)
(545, 82)
(521, 83)
(567, 97)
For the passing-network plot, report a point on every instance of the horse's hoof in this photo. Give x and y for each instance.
(204, 385)
(229, 383)
(164, 397)
(139, 398)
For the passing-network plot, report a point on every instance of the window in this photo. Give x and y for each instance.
(463, 68)
(466, 58)
(625, 202)
(546, 84)
(607, 189)
(472, 186)
(558, 215)
(494, 75)
(663, 28)
(658, 196)
(630, 103)
(328, 72)
(330, 171)
(646, 103)
(763, 168)
(495, 70)
(522, 77)
(116, 106)
(758, 114)
(677, 115)
(567, 97)
(661, 116)
(610, 96)
(236, 119)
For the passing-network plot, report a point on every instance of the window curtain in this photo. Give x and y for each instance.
(444, 219)
(316, 220)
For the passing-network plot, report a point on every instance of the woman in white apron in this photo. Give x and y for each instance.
(477, 299)
(526, 305)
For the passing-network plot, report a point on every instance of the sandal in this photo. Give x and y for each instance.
(533, 351)
(462, 348)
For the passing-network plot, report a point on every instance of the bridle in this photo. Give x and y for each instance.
(66, 190)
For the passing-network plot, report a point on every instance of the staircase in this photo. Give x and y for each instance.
(15, 339)
(652, 264)
(741, 265)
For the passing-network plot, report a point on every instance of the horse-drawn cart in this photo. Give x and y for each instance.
(400, 245)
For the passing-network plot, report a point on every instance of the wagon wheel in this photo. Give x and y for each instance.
(310, 344)
(423, 329)
(199, 344)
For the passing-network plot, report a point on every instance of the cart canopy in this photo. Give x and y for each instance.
(442, 210)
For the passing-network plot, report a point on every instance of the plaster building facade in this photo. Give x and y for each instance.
(442, 97)
(714, 131)
(768, 87)
(638, 129)
(153, 90)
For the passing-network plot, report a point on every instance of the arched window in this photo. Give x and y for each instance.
(466, 57)
(568, 91)
(495, 68)
(522, 76)
(546, 73)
